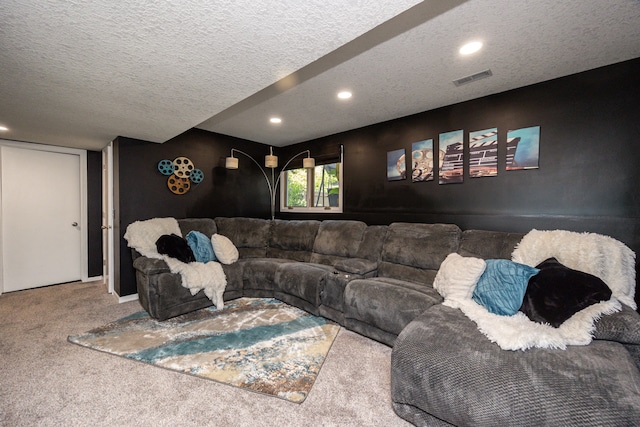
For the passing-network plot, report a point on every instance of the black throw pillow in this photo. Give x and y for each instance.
(176, 247)
(557, 292)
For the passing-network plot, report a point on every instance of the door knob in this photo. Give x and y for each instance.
(74, 224)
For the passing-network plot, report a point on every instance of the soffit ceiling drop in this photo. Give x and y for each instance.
(79, 73)
(524, 43)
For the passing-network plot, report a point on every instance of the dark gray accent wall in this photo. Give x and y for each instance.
(589, 161)
(142, 191)
(587, 180)
(94, 213)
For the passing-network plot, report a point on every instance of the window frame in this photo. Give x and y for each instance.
(310, 193)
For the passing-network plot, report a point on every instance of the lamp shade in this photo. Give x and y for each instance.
(309, 162)
(271, 161)
(231, 163)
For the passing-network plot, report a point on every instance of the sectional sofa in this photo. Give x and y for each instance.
(377, 281)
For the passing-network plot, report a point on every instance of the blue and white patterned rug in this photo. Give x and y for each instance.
(261, 344)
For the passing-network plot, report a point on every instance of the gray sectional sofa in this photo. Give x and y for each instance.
(377, 281)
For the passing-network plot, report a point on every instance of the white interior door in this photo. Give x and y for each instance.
(41, 218)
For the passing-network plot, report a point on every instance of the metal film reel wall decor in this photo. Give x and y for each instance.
(181, 172)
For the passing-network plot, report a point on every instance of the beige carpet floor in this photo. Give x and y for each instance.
(47, 381)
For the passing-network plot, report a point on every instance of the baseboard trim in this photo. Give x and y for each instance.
(127, 298)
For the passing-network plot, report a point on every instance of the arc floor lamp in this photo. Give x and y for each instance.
(271, 162)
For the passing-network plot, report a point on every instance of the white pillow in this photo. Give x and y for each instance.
(457, 277)
(224, 249)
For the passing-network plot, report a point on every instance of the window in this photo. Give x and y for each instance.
(312, 190)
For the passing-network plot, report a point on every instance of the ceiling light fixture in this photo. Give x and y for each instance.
(3, 128)
(470, 48)
(275, 120)
(344, 94)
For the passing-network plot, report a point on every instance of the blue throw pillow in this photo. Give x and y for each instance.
(502, 286)
(201, 246)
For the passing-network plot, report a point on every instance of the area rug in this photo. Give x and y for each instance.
(260, 344)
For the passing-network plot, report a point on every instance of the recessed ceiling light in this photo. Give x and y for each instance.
(471, 47)
(275, 120)
(3, 128)
(344, 95)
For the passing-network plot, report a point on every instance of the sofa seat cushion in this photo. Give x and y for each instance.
(360, 266)
(406, 273)
(260, 273)
(387, 304)
(443, 366)
(303, 280)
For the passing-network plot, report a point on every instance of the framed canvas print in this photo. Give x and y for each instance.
(483, 153)
(451, 169)
(523, 148)
(422, 161)
(396, 165)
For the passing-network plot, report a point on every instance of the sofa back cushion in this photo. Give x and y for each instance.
(488, 244)
(249, 235)
(206, 226)
(414, 252)
(372, 240)
(337, 240)
(292, 239)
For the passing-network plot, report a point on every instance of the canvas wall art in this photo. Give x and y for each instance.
(483, 153)
(396, 165)
(523, 148)
(451, 168)
(422, 161)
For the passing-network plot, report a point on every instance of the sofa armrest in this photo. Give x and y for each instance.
(622, 326)
(150, 265)
(359, 266)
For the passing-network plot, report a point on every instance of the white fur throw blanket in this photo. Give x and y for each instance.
(196, 276)
(458, 276)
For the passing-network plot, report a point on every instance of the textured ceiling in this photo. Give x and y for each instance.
(79, 73)
(525, 42)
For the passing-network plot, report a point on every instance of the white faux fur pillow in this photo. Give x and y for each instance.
(457, 277)
(225, 250)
